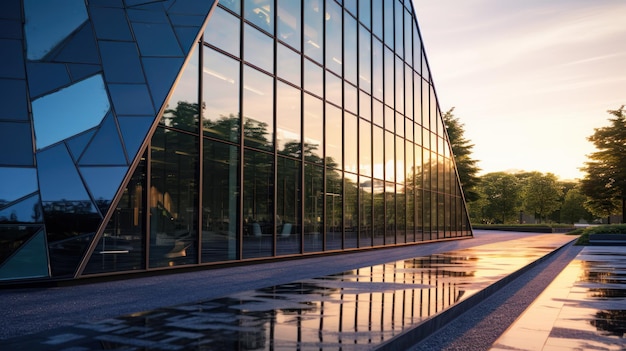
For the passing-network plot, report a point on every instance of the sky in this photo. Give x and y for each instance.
(529, 80)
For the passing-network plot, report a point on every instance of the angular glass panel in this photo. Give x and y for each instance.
(313, 78)
(16, 182)
(161, 74)
(334, 88)
(258, 48)
(26, 211)
(365, 148)
(77, 108)
(78, 143)
(258, 204)
(289, 22)
(288, 65)
(334, 58)
(313, 129)
(223, 31)
(81, 71)
(43, 28)
(351, 143)
(45, 77)
(131, 99)
(365, 212)
(121, 62)
(334, 209)
(350, 48)
(156, 39)
(16, 137)
(334, 133)
(145, 14)
(134, 130)
(121, 247)
(365, 60)
(258, 109)
(220, 202)
(105, 147)
(288, 206)
(186, 37)
(103, 183)
(351, 208)
(174, 199)
(288, 121)
(79, 48)
(58, 178)
(261, 13)
(31, 261)
(12, 60)
(314, 30)
(14, 236)
(220, 95)
(365, 12)
(313, 208)
(110, 23)
(188, 7)
(13, 100)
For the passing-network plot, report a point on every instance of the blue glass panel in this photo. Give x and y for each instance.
(30, 261)
(11, 10)
(12, 59)
(81, 48)
(156, 39)
(145, 4)
(233, 5)
(10, 29)
(25, 211)
(261, 13)
(78, 143)
(58, 178)
(13, 99)
(106, 3)
(14, 236)
(131, 99)
(146, 16)
(16, 182)
(182, 109)
(186, 36)
(161, 73)
(187, 20)
(103, 183)
(45, 77)
(134, 131)
(79, 71)
(223, 30)
(76, 108)
(43, 28)
(110, 23)
(121, 62)
(106, 146)
(16, 137)
(191, 7)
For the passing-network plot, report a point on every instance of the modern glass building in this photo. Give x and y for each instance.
(141, 135)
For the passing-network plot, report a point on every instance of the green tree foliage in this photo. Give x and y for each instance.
(541, 194)
(503, 196)
(462, 149)
(605, 179)
(573, 208)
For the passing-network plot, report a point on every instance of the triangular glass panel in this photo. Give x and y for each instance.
(45, 77)
(25, 211)
(80, 71)
(80, 48)
(59, 180)
(103, 183)
(186, 36)
(31, 261)
(16, 182)
(134, 131)
(12, 237)
(191, 7)
(161, 73)
(77, 144)
(106, 146)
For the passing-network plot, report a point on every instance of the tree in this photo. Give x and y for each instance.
(605, 179)
(573, 208)
(542, 194)
(502, 194)
(462, 151)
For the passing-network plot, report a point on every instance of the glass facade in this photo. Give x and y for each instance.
(249, 130)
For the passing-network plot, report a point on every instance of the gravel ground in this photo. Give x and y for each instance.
(480, 326)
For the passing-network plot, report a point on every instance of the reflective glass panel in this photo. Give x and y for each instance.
(258, 204)
(389, 75)
(223, 31)
(377, 69)
(26, 211)
(399, 16)
(103, 183)
(261, 13)
(12, 237)
(121, 247)
(351, 143)
(314, 29)
(365, 212)
(417, 99)
(365, 60)
(106, 147)
(167, 44)
(390, 121)
(400, 160)
(334, 133)
(258, 109)
(182, 107)
(334, 88)
(220, 96)
(417, 49)
(379, 212)
(365, 148)
(334, 209)
(351, 214)
(377, 18)
(399, 93)
(288, 65)
(408, 92)
(365, 12)
(77, 108)
(350, 48)
(313, 208)
(388, 22)
(43, 28)
(16, 137)
(390, 213)
(288, 120)
(313, 129)
(121, 62)
(289, 22)
(378, 113)
(390, 167)
(16, 182)
(233, 5)
(220, 202)
(173, 199)
(313, 78)
(13, 98)
(365, 106)
(288, 206)
(258, 48)
(378, 155)
(334, 59)
(350, 97)
(408, 38)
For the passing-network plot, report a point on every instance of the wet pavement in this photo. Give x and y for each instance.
(359, 309)
(584, 308)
